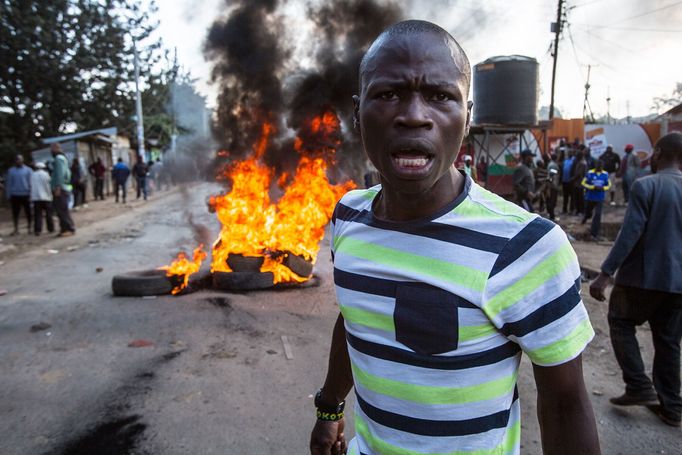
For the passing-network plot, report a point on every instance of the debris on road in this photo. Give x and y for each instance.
(140, 343)
(3, 291)
(287, 348)
(597, 392)
(99, 270)
(72, 248)
(40, 327)
(271, 351)
(53, 251)
(148, 297)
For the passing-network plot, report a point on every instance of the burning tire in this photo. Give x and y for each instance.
(243, 281)
(298, 265)
(240, 263)
(142, 283)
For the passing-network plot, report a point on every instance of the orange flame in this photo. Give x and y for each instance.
(183, 267)
(254, 226)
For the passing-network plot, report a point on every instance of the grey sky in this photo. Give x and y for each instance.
(634, 46)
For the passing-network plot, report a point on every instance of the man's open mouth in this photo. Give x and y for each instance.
(411, 160)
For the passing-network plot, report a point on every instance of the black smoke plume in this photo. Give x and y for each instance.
(251, 63)
(248, 56)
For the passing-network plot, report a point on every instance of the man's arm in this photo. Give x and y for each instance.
(567, 423)
(634, 224)
(327, 437)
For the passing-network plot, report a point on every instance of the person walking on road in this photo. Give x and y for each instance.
(469, 169)
(596, 183)
(41, 197)
(578, 171)
(97, 170)
(436, 284)
(567, 183)
(554, 177)
(18, 191)
(629, 170)
(61, 191)
(524, 181)
(140, 171)
(611, 162)
(647, 263)
(119, 174)
(78, 183)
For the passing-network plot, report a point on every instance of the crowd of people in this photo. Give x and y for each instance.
(42, 189)
(583, 181)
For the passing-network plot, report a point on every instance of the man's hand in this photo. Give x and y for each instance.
(530, 195)
(56, 191)
(598, 286)
(327, 438)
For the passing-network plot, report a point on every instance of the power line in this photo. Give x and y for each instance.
(584, 4)
(648, 12)
(629, 29)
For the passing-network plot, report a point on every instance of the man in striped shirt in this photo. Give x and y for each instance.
(441, 284)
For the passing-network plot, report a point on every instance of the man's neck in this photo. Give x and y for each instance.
(668, 167)
(396, 206)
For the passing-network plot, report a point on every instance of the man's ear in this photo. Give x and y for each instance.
(356, 113)
(470, 105)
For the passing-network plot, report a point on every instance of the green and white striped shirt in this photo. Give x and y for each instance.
(437, 313)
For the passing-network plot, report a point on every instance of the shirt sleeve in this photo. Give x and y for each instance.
(533, 295)
(333, 226)
(634, 223)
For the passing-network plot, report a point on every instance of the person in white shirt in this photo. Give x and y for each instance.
(41, 197)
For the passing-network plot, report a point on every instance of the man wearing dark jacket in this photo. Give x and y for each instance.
(524, 181)
(98, 170)
(579, 171)
(119, 174)
(648, 284)
(140, 171)
(611, 162)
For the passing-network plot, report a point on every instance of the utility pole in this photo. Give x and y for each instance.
(608, 105)
(138, 105)
(556, 28)
(586, 102)
(174, 132)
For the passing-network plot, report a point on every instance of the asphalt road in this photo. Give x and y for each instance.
(215, 378)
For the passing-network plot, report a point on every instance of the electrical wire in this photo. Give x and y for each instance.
(648, 12)
(629, 29)
(583, 4)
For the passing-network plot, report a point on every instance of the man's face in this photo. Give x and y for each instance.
(599, 165)
(413, 112)
(55, 149)
(19, 161)
(528, 160)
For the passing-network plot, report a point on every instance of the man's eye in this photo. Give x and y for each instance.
(441, 96)
(388, 96)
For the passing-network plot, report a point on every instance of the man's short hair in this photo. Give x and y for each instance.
(670, 146)
(415, 27)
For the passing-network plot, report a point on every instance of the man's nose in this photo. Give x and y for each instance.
(414, 113)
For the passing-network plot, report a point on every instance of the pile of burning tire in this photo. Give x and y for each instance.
(246, 275)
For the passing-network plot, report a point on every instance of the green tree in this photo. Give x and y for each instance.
(68, 65)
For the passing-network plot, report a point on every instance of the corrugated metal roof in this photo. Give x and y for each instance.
(70, 137)
(675, 110)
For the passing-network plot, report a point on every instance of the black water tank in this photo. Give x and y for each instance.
(506, 91)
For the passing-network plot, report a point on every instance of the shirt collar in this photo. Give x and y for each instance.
(671, 171)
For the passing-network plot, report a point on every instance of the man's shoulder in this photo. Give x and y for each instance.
(484, 206)
(360, 198)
